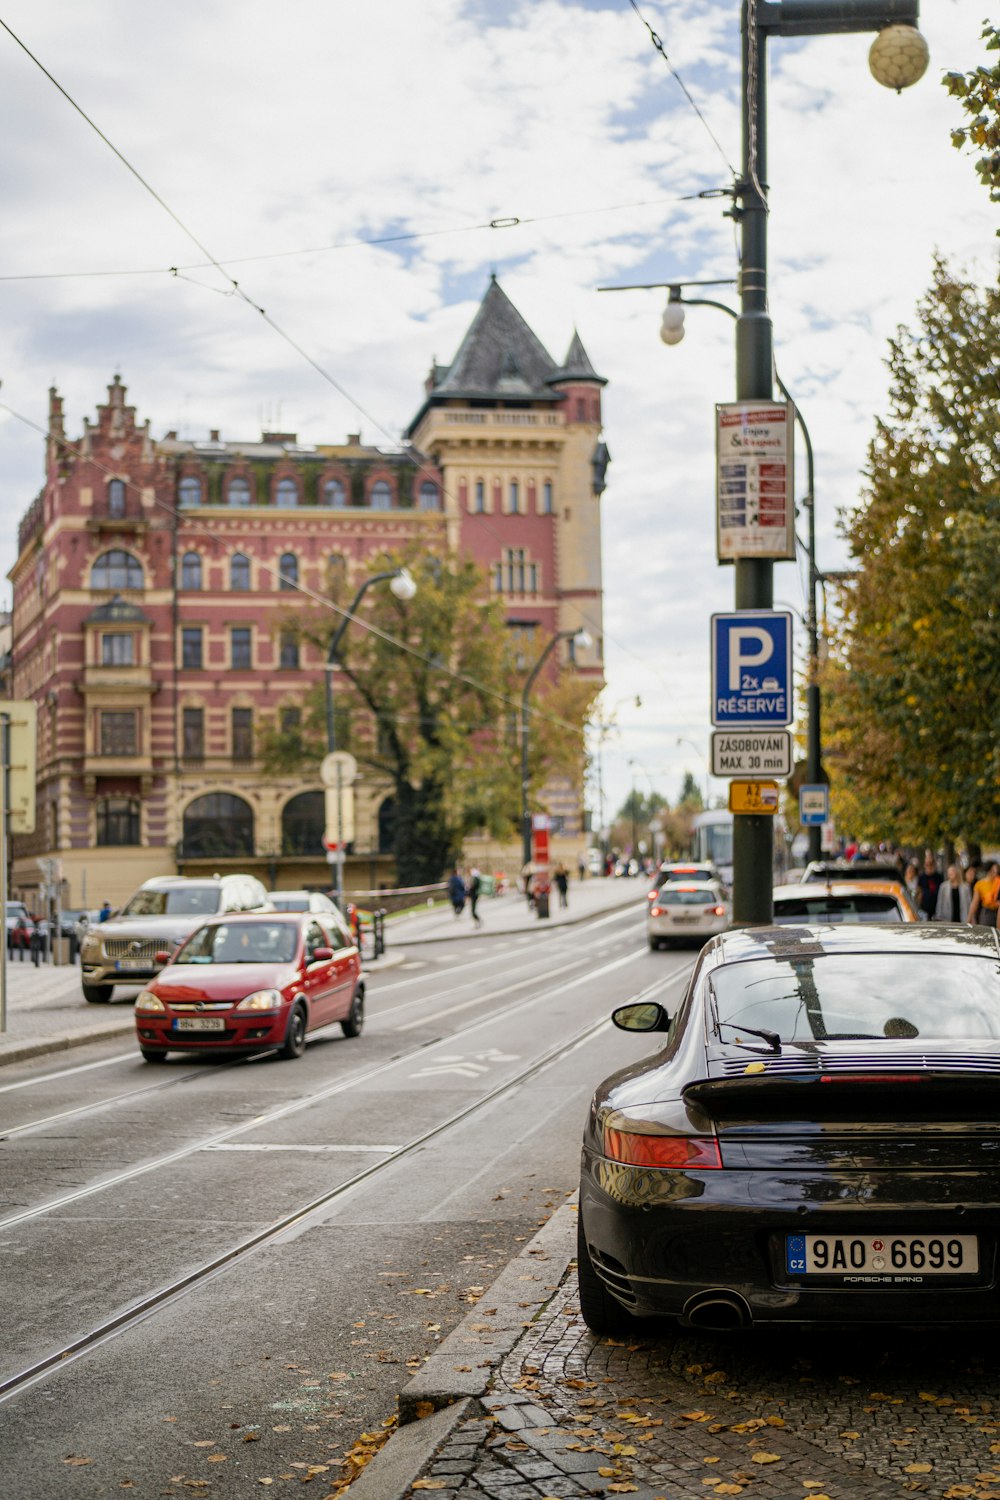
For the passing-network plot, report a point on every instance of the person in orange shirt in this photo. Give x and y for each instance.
(986, 897)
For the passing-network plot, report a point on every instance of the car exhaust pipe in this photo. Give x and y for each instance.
(722, 1311)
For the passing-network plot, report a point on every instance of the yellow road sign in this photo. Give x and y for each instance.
(753, 797)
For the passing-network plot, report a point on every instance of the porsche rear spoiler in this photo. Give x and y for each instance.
(882, 1094)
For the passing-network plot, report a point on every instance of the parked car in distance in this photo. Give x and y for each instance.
(844, 901)
(813, 1142)
(682, 870)
(843, 869)
(682, 910)
(252, 981)
(300, 901)
(161, 913)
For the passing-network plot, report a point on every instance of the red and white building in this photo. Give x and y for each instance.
(156, 577)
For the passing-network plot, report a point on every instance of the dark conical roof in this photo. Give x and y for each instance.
(576, 365)
(499, 356)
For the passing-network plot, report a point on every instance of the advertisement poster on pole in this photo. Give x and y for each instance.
(755, 509)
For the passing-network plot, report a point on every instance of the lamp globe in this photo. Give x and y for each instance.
(898, 57)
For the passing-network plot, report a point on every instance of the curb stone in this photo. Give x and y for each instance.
(540, 925)
(517, 1296)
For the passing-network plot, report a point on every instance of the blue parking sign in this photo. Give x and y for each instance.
(752, 669)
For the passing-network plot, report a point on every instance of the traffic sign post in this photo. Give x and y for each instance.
(814, 805)
(752, 669)
(754, 797)
(752, 752)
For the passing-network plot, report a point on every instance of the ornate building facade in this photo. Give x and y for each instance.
(156, 579)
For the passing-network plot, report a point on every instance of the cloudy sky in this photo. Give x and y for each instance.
(283, 135)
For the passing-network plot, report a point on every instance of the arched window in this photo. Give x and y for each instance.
(429, 497)
(217, 825)
(286, 493)
(116, 570)
(547, 501)
(289, 570)
(189, 491)
(515, 497)
(238, 490)
(239, 573)
(303, 820)
(116, 497)
(480, 502)
(380, 495)
(118, 820)
(334, 494)
(191, 571)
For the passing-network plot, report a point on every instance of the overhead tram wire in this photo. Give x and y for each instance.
(243, 295)
(499, 222)
(658, 44)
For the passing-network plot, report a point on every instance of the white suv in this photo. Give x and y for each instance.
(161, 914)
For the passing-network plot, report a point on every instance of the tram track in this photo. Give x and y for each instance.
(295, 1106)
(298, 1218)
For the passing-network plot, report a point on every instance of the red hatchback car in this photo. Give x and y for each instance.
(253, 981)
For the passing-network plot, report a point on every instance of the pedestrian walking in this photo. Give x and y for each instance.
(561, 878)
(929, 881)
(954, 898)
(911, 880)
(473, 888)
(456, 892)
(986, 897)
(581, 867)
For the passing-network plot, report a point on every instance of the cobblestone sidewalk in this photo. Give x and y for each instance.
(785, 1415)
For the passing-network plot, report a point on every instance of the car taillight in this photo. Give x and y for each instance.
(718, 911)
(668, 1151)
(652, 895)
(656, 911)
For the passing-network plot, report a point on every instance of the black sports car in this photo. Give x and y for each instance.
(817, 1142)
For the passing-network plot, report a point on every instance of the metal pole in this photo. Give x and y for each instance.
(561, 635)
(753, 834)
(331, 726)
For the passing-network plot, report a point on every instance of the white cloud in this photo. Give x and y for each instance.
(269, 129)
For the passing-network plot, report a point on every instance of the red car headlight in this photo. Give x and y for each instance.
(669, 1151)
(261, 1000)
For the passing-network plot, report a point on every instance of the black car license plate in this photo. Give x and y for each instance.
(882, 1258)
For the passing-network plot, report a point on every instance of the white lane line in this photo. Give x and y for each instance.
(27, 1083)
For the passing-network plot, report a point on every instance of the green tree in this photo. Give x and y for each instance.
(913, 682)
(428, 701)
(979, 91)
(691, 798)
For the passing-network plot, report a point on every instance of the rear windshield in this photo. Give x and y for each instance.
(182, 901)
(836, 909)
(689, 874)
(241, 943)
(290, 903)
(673, 895)
(863, 996)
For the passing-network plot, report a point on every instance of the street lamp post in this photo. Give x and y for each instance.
(898, 57)
(581, 639)
(403, 586)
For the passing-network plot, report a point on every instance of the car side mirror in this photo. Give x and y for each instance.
(162, 957)
(321, 955)
(646, 1017)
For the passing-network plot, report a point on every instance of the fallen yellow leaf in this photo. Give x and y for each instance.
(216, 1458)
(424, 1409)
(710, 1460)
(428, 1484)
(728, 1489)
(76, 1460)
(918, 1468)
(766, 1458)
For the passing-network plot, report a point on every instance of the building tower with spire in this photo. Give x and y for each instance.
(517, 440)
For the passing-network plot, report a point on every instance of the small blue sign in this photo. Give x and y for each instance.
(752, 669)
(814, 805)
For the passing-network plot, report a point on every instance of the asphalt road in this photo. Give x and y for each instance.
(404, 1169)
